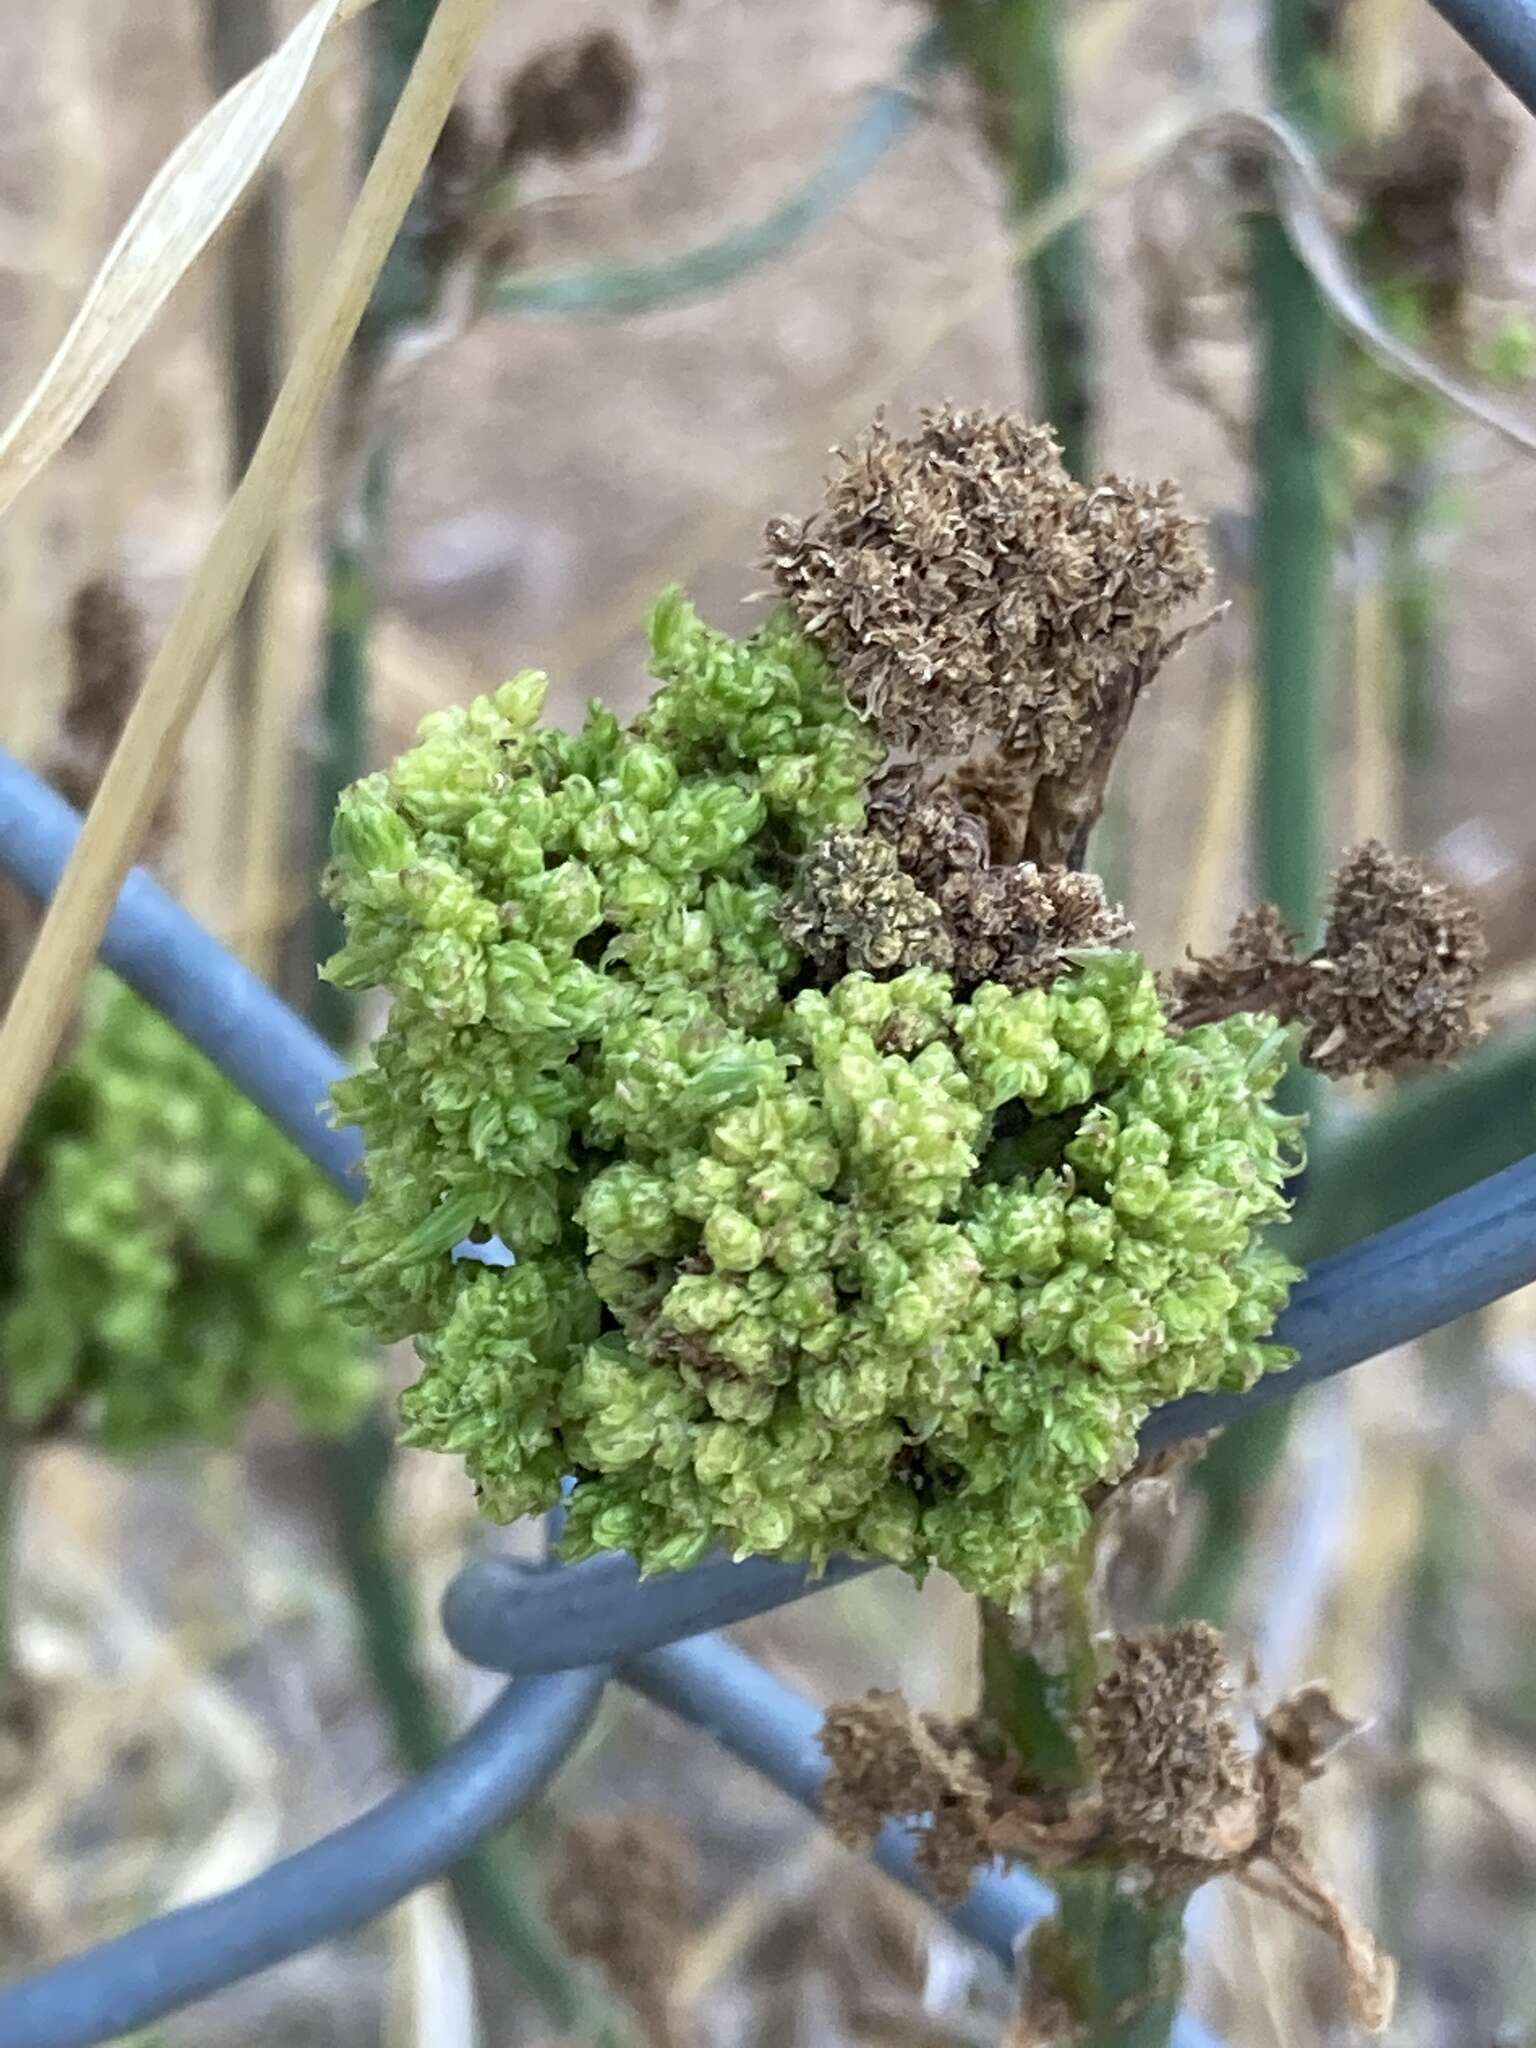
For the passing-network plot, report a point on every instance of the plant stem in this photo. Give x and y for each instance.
(1114, 1956)
(495, 1884)
(1294, 543)
(1026, 1700)
(1012, 49)
(1110, 1957)
(1294, 556)
(1293, 572)
(1413, 608)
(1055, 284)
(344, 688)
(238, 35)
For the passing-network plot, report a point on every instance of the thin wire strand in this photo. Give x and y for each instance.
(335, 1885)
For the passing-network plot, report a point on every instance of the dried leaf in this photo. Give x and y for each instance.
(188, 200)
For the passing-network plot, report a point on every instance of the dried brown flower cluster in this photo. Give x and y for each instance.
(571, 99)
(1391, 988)
(886, 1763)
(1170, 1791)
(621, 1897)
(967, 589)
(1009, 919)
(1176, 1784)
(853, 910)
(1429, 189)
(921, 890)
(106, 662)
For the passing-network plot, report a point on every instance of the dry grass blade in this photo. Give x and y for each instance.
(189, 199)
(146, 755)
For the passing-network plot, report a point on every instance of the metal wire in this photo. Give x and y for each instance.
(498, 1611)
(1503, 33)
(341, 1881)
(255, 1040)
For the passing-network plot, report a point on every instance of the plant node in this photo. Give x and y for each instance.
(1172, 1796)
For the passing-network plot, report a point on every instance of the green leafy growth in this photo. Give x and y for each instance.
(156, 1282)
(861, 1267)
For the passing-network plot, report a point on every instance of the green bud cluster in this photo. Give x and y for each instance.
(861, 1267)
(156, 1280)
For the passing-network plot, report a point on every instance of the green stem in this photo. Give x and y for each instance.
(1013, 51)
(1292, 452)
(1412, 602)
(496, 1884)
(1294, 543)
(1111, 1956)
(238, 35)
(1294, 564)
(1114, 1957)
(1055, 284)
(344, 688)
(1025, 1702)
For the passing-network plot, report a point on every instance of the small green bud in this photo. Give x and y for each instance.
(733, 1241)
(367, 831)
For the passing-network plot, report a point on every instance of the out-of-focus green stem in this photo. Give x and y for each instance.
(496, 1884)
(1292, 578)
(1413, 608)
(344, 686)
(1056, 283)
(1111, 1956)
(238, 35)
(1224, 1482)
(1013, 51)
(1294, 550)
(1293, 541)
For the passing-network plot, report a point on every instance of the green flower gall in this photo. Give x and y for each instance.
(156, 1283)
(806, 1259)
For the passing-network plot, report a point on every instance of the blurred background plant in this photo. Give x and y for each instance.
(670, 250)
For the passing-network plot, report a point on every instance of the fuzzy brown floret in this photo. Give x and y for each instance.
(1401, 960)
(1177, 1785)
(852, 910)
(968, 590)
(1392, 987)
